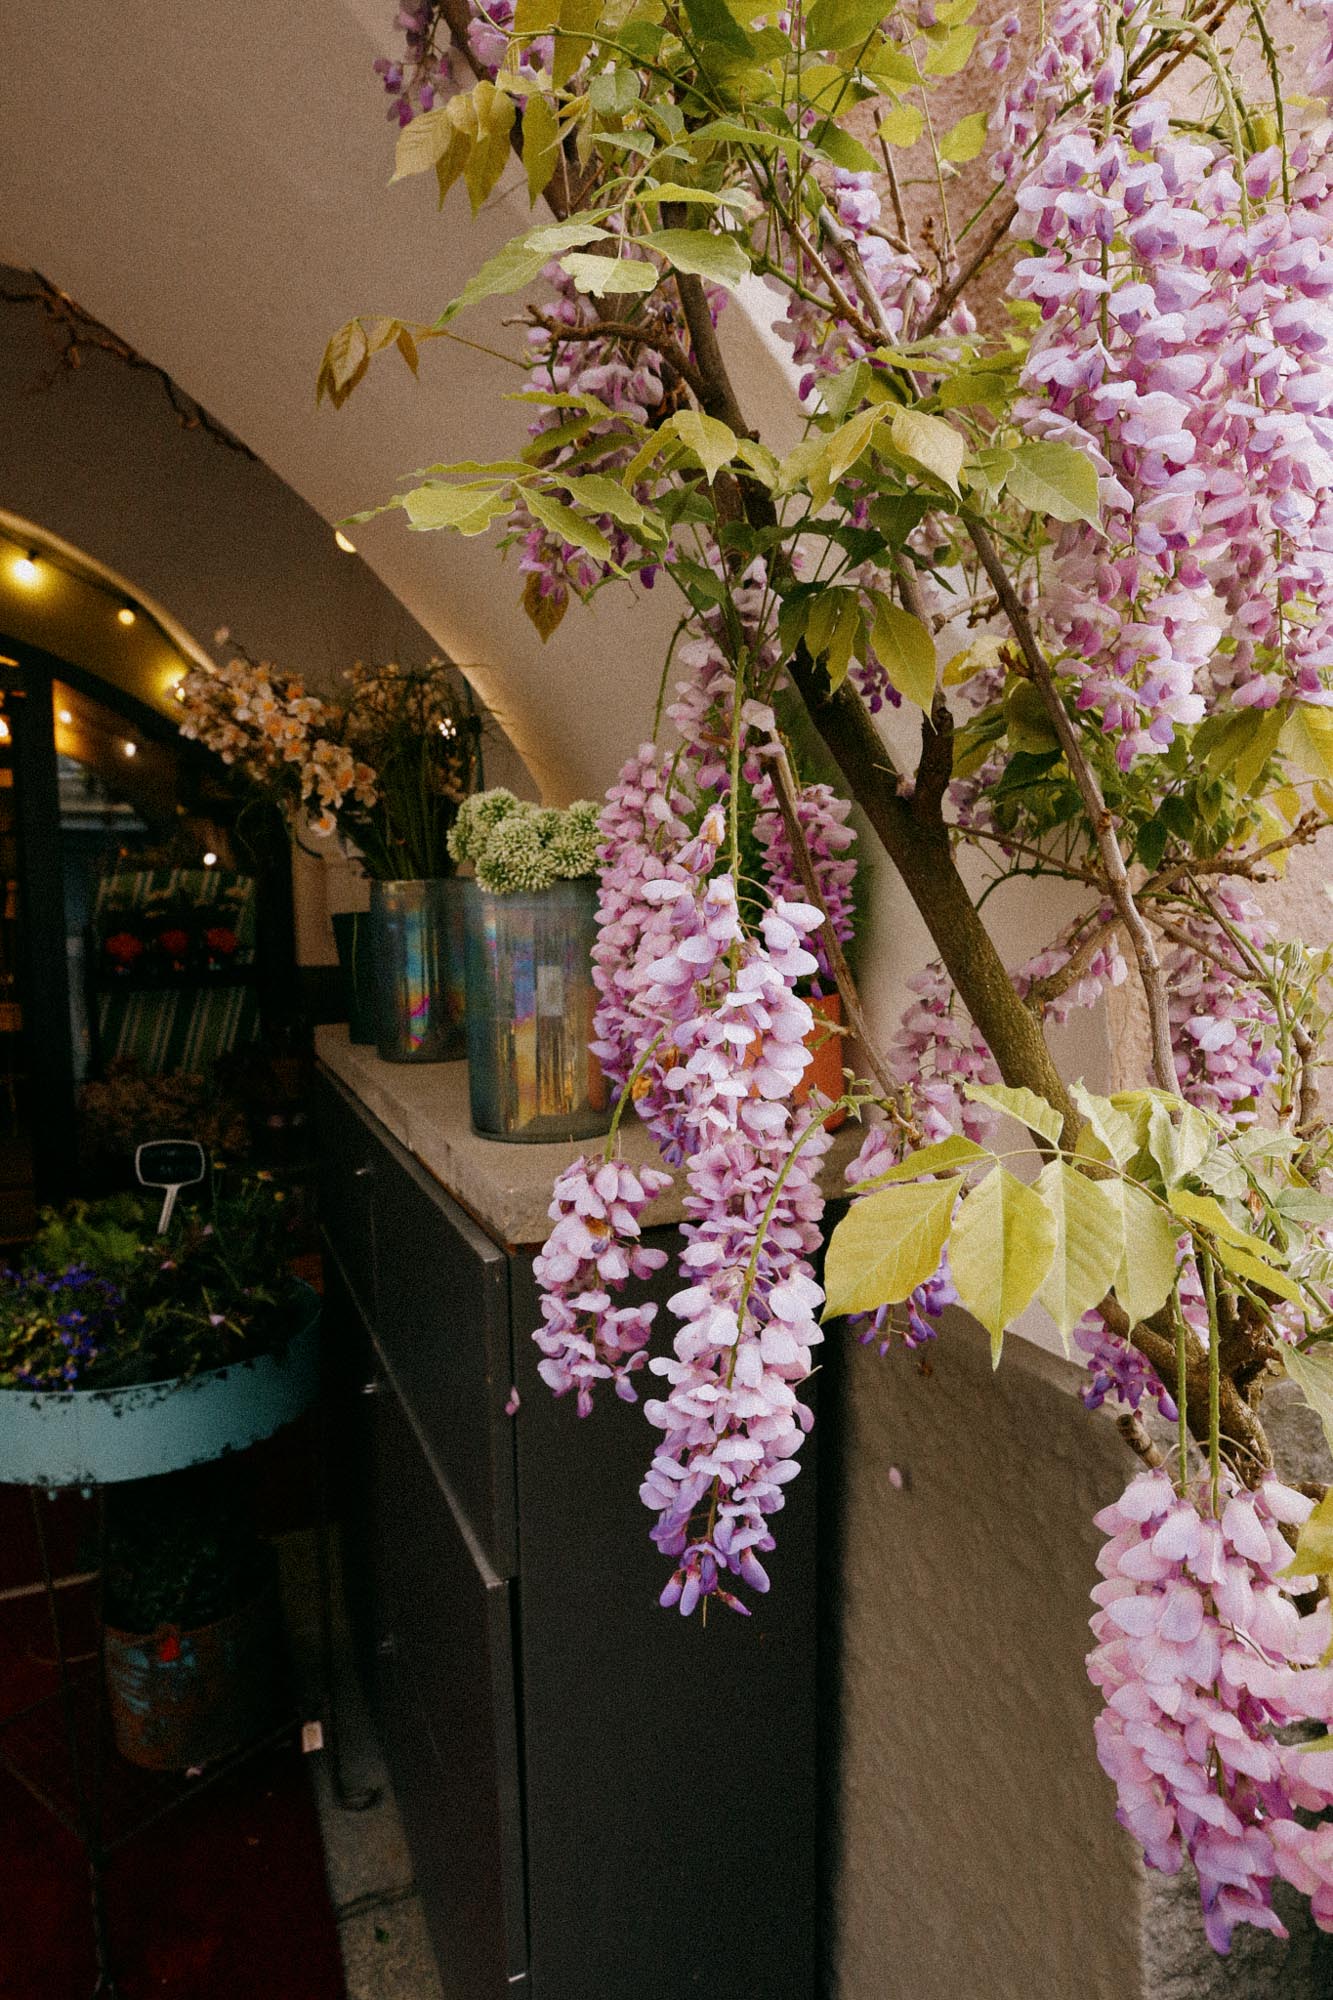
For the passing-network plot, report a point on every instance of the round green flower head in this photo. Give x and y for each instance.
(515, 858)
(516, 847)
(478, 816)
(574, 845)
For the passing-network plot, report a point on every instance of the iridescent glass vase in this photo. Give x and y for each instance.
(417, 933)
(530, 1001)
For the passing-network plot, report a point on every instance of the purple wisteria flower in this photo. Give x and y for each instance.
(1205, 1663)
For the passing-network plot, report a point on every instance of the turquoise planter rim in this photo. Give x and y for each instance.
(98, 1437)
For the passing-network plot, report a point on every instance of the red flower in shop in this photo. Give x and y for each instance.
(125, 948)
(221, 940)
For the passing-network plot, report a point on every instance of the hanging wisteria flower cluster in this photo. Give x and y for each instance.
(1044, 587)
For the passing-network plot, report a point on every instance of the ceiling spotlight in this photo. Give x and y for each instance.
(130, 747)
(4, 729)
(26, 570)
(210, 859)
(345, 543)
(125, 615)
(66, 718)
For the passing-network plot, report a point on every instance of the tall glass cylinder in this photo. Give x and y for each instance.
(417, 928)
(530, 1001)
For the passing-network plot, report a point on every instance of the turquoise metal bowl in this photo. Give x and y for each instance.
(98, 1437)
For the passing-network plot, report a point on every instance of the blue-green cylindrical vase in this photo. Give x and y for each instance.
(417, 932)
(530, 1001)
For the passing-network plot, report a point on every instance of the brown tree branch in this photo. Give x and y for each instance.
(650, 334)
(1090, 791)
(74, 330)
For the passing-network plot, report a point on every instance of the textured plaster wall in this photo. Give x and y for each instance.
(977, 1854)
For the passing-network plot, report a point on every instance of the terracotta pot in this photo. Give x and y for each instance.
(183, 1698)
(826, 1057)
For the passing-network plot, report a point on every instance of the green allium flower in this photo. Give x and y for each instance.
(516, 847)
(515, 858)
(478, 816)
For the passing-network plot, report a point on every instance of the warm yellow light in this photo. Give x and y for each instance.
(210, 859)
(130, 748)
(125, 615)
(344, 542)
(66, 717)
(178, 688)
(26, 571)
(4, 729)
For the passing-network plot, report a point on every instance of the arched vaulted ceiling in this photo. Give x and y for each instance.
(212, 183)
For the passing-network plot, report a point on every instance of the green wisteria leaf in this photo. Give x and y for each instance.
(886, 1245)
(1000, 1251)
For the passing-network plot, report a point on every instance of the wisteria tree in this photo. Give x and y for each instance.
(1119, 482)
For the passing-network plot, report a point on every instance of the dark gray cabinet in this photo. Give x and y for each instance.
(604, 1801)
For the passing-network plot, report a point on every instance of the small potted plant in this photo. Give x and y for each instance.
(531, 915)
(125, 1354)
(190, 1621)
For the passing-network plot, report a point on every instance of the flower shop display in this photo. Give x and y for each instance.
(171, 940)
(530, 915)
(124, 1354)
(384, 767)
(1081, 547)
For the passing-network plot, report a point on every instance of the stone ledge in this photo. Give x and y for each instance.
(507, 1187)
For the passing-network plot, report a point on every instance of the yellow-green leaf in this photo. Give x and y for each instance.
(902, 126)
(1052, 478)
(1209, 1214)
(950, 55)
(702, 254)
(955, 1151)
(840, 451)
(712, 442)
(1089, 1244)
(929, 442)
(467, 508)
(886, 1245)
(600, 275)
(578, 18)
(571, 527)
(1308, 740)
(1022, 1104)
(601, 495)
(424, 141)
(841, 24)
(1000, 1251)
(1112, 1130)
(1244, 1264)
(832, 630)
(965, 139)
(906, 652)
(495, 112)
(1148, 1267)
(541, 143)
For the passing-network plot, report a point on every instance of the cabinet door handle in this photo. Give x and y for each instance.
(363, 1173)
(372, 1387)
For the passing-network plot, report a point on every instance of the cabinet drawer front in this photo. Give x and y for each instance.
(447, 1708)
(442, 1323)
(347, 1154)
(699, 1779)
